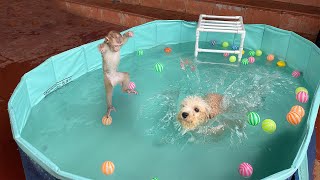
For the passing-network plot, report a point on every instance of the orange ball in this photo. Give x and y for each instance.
(107, 168)
(167, 50)
(106, 120)
(270, 57)
(298, 109)
(293, 118)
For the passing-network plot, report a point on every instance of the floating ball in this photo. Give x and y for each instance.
(299, 110)
(131, 85)
(269, 126)
(293, 118)
(245, 61)
(301, 89)
(232, 59)
(253, 118)
(258, 52)
(140, 52)
(167, 50)
(107, 168)
(302, 97)
(296, 74)
(225, 54)
(281, 63)
(213, 42)
(251, 59)
(154, 178)
(270, 57)
(225, 44)
(106, 120)
(245, 169)
(235, 47)
(158, 67)
(243, 51)
(252, 53)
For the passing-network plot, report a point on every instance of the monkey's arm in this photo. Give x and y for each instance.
(102, 47)
(126, 36)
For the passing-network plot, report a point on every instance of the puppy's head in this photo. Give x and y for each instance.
(193, 111)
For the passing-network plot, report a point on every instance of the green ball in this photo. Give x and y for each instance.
(258, 52)
(154, 179)
(299, 89)
(158, 67)
(252, 53)
(269, 126)
(225, 44)
(232, 59)
(140, 52)
(245, 61)
(253, 118)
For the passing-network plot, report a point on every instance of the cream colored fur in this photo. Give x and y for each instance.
(208, 107)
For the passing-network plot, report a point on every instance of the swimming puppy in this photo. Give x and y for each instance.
(196, 111)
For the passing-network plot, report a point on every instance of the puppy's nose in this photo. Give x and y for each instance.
(185, 115)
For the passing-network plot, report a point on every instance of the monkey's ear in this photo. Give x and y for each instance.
(106, 39)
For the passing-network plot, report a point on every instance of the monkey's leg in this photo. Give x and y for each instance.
(109, 92)
(125, 83)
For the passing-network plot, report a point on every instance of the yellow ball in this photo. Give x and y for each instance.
(281, 63)
(299, 89)
(269, 126)
(243, 51)
(232, 59)
(225, 44)
(106, 120)
(107, 168)
(258, 52)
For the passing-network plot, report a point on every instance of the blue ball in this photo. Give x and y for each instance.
(213, 42)
(235, 47)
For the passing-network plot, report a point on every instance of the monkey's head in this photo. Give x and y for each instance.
(114, 41)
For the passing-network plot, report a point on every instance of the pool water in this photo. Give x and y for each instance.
(145, 139)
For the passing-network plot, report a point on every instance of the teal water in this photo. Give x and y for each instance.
(145, 139)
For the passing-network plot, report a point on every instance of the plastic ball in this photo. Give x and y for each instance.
(131, 85)
(251, 59)
(269, 126)
(213, 42)
(232, 59)
(293, 118)
(140, 52)
(106, 120)
(243, 51)
(235, 47)
(154, 178)
(225, 54)
(281, 63)
(298, 109)
(301, 89)
(253, 118)
(167, 50)
(245, 169)
(107, 168)
(252, 53)
(225, 44)
(258, 52)
(296, 74)
(158, 67)
(302, 97)
(270, 57)
(245, 61)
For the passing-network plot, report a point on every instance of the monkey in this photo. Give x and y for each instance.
(110, 51)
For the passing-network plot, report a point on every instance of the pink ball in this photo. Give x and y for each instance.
(245, 169)
(302, 97)
(225, 54)
(132, 85)
(251, 59)
(295, 73)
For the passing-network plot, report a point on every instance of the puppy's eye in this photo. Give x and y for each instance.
(196, 109)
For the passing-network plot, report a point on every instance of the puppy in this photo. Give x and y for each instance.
(196, 111)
